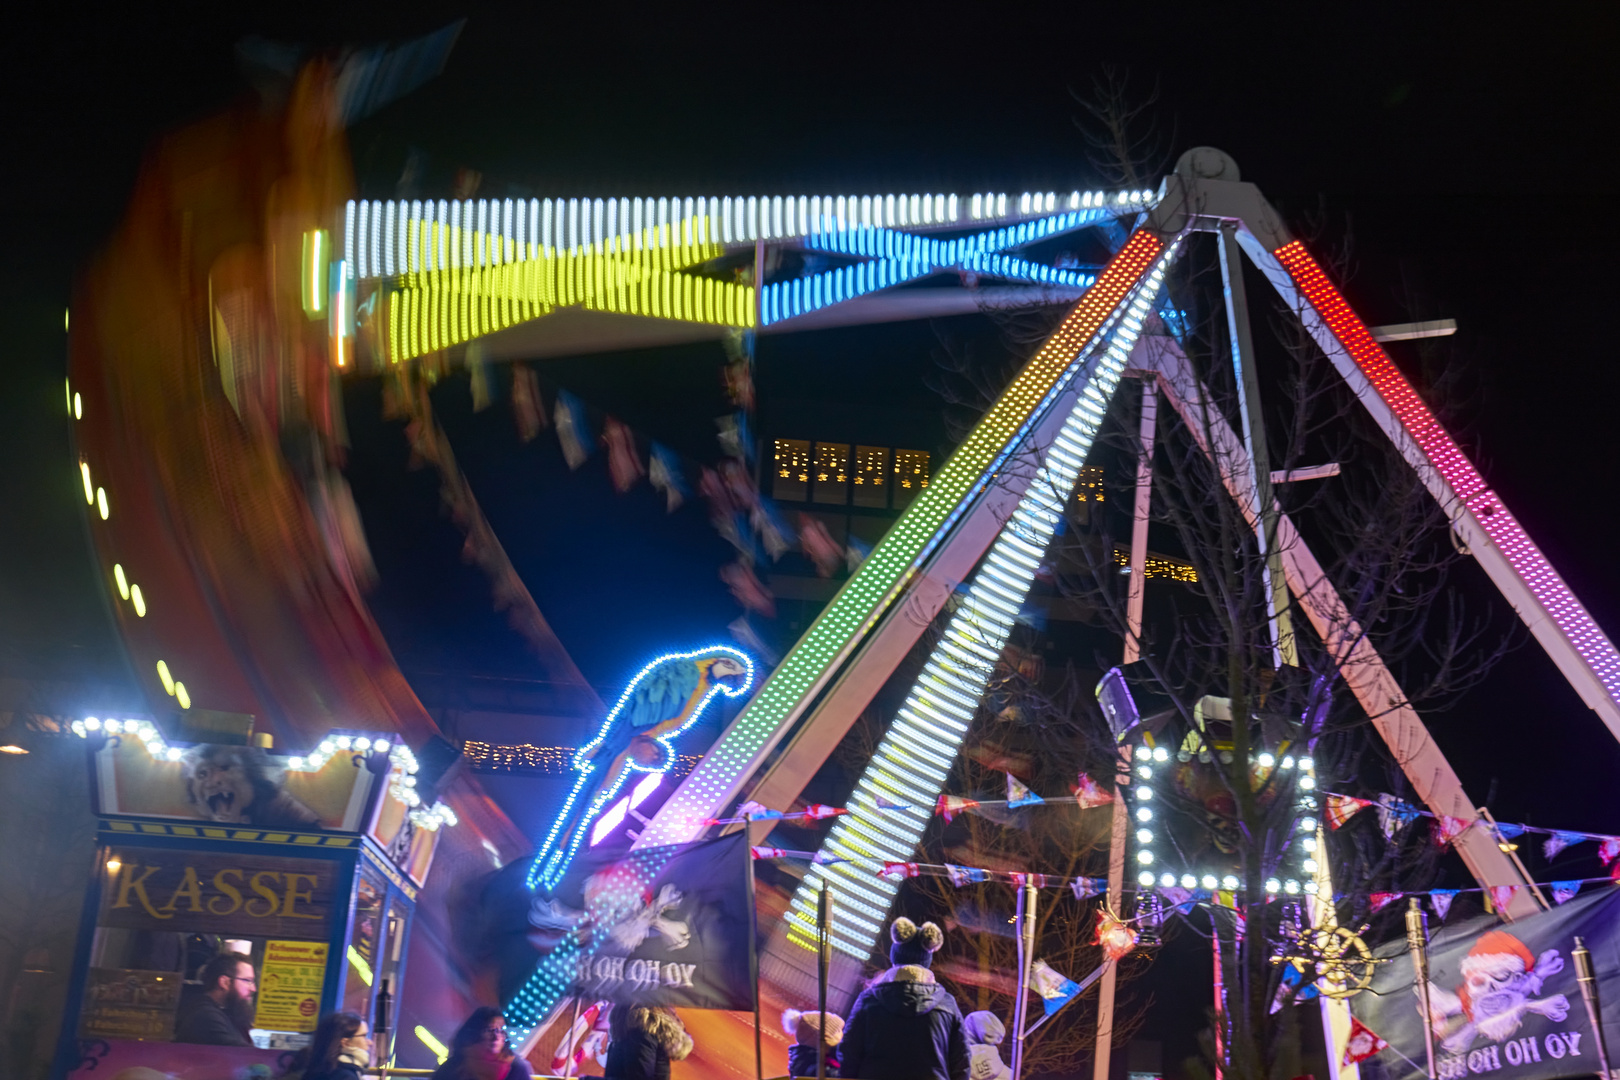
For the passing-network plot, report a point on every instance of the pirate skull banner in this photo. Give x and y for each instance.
(1503, 998)
(657, 926)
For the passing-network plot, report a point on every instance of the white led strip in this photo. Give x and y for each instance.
(914, 758)
(377, 235)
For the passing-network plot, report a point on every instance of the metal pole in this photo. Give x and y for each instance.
(1594, 1008)
(1133, 652)
(1026, 957)
(1220, 994)
(1417, 942)
(568, 1062)
(823, 963)
(753, 967)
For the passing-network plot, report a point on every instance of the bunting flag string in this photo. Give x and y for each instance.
(1394, 814)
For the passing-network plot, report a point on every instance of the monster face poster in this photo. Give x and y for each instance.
(1504, 1001)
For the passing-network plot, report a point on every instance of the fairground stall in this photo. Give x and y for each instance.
(306, 868)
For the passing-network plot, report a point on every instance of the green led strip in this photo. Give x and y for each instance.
(885, 572)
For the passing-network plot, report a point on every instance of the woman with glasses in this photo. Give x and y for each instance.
(339, 1050)
(479, 1051)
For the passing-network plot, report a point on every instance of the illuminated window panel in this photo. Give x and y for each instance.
(790, 480)
(1159, 566)
(830, 473)
(871, 478)
(910, 476)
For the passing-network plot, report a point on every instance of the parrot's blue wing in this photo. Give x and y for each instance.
(661, 693)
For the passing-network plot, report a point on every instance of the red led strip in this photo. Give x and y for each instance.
(1528, 562)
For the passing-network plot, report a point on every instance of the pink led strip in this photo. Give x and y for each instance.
(1532, 567)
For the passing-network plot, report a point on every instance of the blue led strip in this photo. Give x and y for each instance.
(551, 861)
(915, 755)
(898, 257)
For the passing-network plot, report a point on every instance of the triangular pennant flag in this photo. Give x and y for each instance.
(1018, 793)
(1037, 880)
(735, 440)
(1175, 895)
(819, 811)
(624, 464)
(855, 553)
(1381, 900)
(1564, 891)
(1440, 900)
(768, 852)
(1558, 841)
(819, 546)
(1115, 937)
(1084, 888)
(573, 429)
(748, 590)
(889, 804)
(754, 811)
(964, 875)
(1056, 990)
(664, 474)
(1362, 1044)
(900, 869)
(1609, 850)
(1089, 793)
(1290, 990)
(1502, 897)
(1509, 832)
(1341, 808)
(828, 860)
(1448, 828)
(1394, 815)
(951, 805)
(1226, 898)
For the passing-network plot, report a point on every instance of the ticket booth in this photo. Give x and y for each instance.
(304, 868)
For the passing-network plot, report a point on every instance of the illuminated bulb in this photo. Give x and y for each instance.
(101, 502)
(1144, 857)
(180, 695)
(1145, 772)
(1272, 885)
(78, 407)
(343, 742)
(1144, 836)
(172, 753)
(1291, 887)
(1229, 882)
(1188, 881)
(1144, 813)
(154, 748)
(138, 600)
(1307, 763)
(410, 781)
(362, 743)
(1288, 762)
(381, 746)
(315, 760)
(1309, 843)
(327, 746)
(78, 728)
(165, 677)
(1309, 866)
(1209, 881)
(89, 488)
(1310, 887)
(1145, 877)
(92, 723)
(123, 584)
(295, 762)
(1161, 754)
(1142, 752)
(1307, 782)
(114, 865)
(1306, 825)
(1144, 793)
(115, 726)
(1266, 761)
(1168, 880)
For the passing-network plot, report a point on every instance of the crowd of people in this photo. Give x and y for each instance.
(903, 1026)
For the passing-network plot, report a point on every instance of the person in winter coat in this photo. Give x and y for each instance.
(478, 1051)
(339, 1049)
(810, 1029)
(645, 1040)
(984, 1033)
(907, 1028)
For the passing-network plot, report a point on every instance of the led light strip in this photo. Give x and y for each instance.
(379, 236)
(1593, 647)
(914, 758)
(887, 569)
(1305, 852)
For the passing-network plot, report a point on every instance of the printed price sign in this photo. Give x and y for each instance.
(290, 985)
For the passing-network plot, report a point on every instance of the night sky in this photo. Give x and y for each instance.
(1464, 151)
